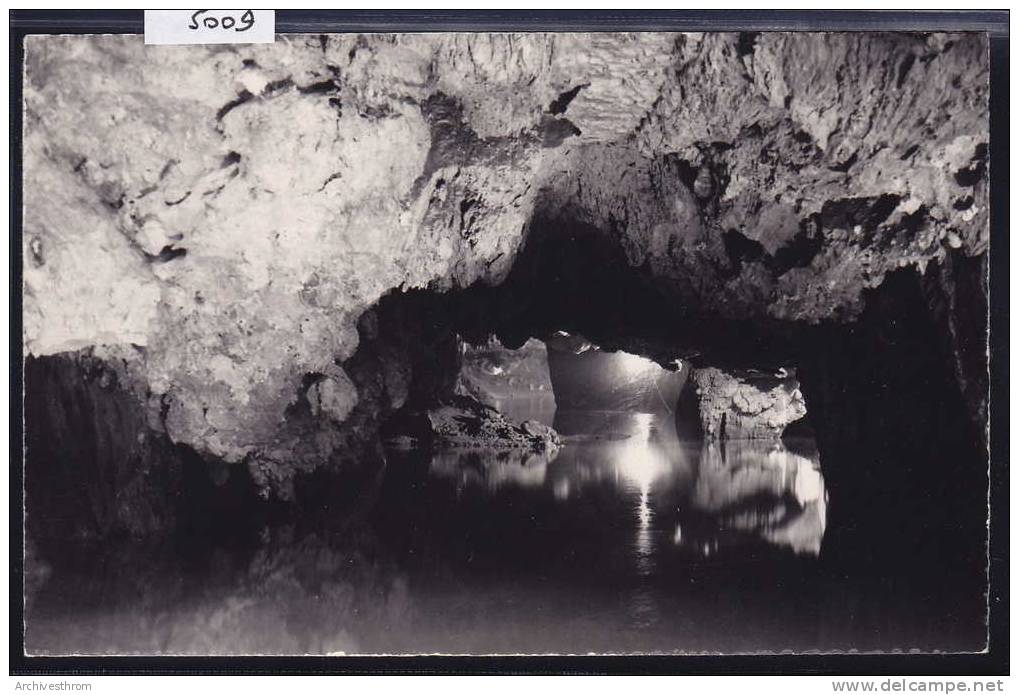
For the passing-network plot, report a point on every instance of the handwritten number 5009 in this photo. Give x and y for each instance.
(246, 21)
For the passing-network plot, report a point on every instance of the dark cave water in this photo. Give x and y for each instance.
(628, 540)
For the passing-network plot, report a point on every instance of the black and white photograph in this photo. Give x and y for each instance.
(505, 343)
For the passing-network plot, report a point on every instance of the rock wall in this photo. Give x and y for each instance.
(96, 465)
(894, 429)
(97, 468)
(746, 405)
(227, 219)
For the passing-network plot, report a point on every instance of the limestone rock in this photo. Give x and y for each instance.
(462, 422)
(541, 431)
(232, 212)
(333, 397)
(746, 406)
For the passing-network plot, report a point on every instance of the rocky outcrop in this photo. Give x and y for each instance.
(229, 220)
(746, 405)
(462, 422)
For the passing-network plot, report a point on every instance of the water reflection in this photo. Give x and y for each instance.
(732, 493)
(762, 488)
(313, 594)
(492, 470)
(628, 540)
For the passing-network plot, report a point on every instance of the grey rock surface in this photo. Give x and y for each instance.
(225, 215)
(744, 406)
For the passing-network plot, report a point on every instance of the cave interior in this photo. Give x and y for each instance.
(889, 403)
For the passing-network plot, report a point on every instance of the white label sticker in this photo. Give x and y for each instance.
(175, 27)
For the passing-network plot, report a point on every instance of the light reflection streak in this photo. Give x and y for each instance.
(640, 463)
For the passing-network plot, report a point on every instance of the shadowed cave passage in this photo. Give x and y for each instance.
(895, 398)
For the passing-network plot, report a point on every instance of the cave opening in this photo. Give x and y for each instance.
(622, 412)
(577, 379)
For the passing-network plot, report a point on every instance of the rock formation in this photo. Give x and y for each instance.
(279, 244)
(462, 422)
(747, 405)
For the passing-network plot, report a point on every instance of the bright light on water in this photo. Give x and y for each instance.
(640, 461)
(644, 510)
